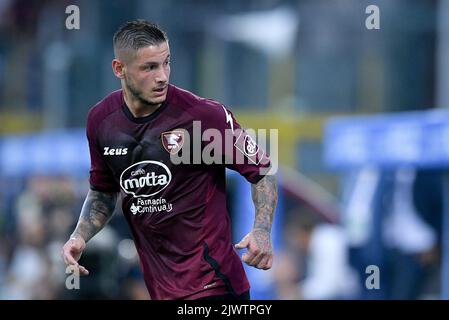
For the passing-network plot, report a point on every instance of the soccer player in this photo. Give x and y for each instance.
(176, 211)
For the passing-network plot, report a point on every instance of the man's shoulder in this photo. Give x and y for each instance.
(199, 107)
(109, 104)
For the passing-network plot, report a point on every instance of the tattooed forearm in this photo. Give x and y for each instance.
(96, 212)
(265, 197)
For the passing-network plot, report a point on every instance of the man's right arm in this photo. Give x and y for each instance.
(96, 212)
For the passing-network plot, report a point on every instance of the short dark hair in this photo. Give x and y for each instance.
(138, 34)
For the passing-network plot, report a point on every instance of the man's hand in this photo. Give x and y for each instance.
(258, 241)
(96, 212)
(71, 252)
(260, 251)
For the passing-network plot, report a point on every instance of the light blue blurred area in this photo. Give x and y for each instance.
(416, 138)
(391, 217)
(51, 152)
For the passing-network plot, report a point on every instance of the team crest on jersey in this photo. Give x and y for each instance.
(248, 146)
(173, 141)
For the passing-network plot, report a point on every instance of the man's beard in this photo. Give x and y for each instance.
(138, 94)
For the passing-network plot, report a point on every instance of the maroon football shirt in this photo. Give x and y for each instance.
(177, 213)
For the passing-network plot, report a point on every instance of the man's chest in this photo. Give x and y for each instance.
(127, 149)
(141, 162)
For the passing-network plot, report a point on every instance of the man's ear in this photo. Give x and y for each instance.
(118, 68)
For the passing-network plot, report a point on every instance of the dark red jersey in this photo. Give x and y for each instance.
(177, 212)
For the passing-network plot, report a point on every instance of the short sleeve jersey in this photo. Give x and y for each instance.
(176, 211)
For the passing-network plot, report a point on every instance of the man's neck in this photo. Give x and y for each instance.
(137, 107)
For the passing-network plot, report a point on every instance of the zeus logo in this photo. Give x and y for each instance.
(115, 151)
(229, 119)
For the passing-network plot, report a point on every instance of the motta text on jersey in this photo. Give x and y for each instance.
(146, 179)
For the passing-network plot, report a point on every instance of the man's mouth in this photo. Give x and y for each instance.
(161, 89)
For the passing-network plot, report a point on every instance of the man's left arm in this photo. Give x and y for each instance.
(258, 241)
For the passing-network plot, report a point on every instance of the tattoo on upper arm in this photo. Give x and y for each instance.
(96, 212)
(265, 197)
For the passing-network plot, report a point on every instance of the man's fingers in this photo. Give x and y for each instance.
(247, 258)
(269, 263)
(79, 269)
(68, 258)
(263, 262)
(71, 253)
(266, 262)
(260, 261)
(253, 257)
(243, 243)
(83, 271)
(256, 258)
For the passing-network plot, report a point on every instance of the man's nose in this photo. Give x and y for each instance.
(162, 76)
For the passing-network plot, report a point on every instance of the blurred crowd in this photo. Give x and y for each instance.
(41, 218)
(390, 219)
(19, 53)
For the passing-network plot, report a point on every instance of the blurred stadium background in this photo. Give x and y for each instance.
(362, 118)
